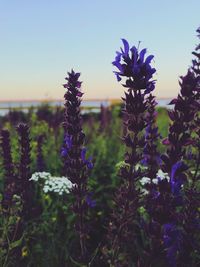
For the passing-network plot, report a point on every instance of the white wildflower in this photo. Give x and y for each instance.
(160, 175)
(58, 185)
(145, 180)
(40, 175)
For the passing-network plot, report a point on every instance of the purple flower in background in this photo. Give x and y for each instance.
(9, 175)
(91, 203)
(135, 67)
(25, 187)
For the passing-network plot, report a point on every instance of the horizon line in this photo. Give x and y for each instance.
(56, 99)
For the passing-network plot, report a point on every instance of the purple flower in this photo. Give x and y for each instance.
(25, 188)
(137, 74)
(67, 145)
(88, 161)
(68, 141)
(135, 67)
(176, 179)
(64, 152)
(73, 81)
(151, 156)
(76, 166)
(91, 203)
(172, 238)
(10, 185)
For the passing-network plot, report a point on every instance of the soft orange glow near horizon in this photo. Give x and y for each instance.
(37, 53)
(103, 89)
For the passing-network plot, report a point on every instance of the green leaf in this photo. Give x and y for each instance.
(16, 243)
(78, 263)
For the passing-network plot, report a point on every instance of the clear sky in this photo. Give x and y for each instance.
(43, 39)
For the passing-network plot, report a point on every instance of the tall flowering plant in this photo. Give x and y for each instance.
(190, 248)
(151, 162)
(195, 126)
(151, 154)
(179, 138)
(77, 165)
(10, 208)
(196, 53)
(18, 194)
(138, 75)
(10, 179)
(25, 187)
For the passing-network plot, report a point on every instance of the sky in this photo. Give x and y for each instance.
(42, 40)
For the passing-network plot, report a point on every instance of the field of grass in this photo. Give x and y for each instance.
(49, 240)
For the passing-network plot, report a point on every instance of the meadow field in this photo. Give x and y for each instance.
(47, 241)
(114, 188)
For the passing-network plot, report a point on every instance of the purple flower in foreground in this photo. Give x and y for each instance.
(135, 67)
(138, 73)
(196, 61)
(88, 161)
(64, 152)
(172, 238)
(68, 141)
(151, 156)
(176, 178)
(77, 167)
(67, 145)
(72, 81)
(179, 138)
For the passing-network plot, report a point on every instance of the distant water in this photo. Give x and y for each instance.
(24, 105)
(164, 102)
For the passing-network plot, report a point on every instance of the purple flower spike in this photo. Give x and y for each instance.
(137, 74)
(76, 166)
(10, 184)
(135, 67)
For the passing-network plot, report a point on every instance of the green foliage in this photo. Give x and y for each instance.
(10, 238)
(163, 121)
(48, 239)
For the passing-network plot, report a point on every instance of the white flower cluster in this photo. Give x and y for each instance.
(58, 185)
(160, 175)
(40, 176)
